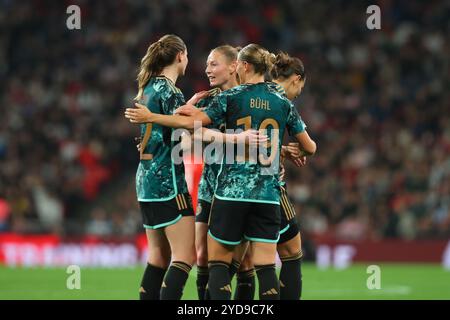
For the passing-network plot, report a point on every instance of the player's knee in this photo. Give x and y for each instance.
(290, 247)
(263, 258)
(188, 256)
(191, 259)
(202, 255)
(159, 257)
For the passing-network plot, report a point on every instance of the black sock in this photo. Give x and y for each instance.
(291, 277)
(174, 281)
(234, 267)
(219, 286)
(301, 278)
(269, 286)
(245, 286)
(151, 282)
(202, 281)
(207, 294)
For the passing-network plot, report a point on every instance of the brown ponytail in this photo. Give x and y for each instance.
(159, 55)
(285, 66)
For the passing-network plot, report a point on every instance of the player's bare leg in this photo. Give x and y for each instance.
(157, 263)
(201, 247)
(181, 236)
(238, 255)
(245, 285)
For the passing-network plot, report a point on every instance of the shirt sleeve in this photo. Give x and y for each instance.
(294, 123)
(216, 110)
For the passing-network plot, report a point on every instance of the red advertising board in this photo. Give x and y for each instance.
(50, 250)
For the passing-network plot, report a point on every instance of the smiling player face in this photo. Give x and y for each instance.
(218, 69)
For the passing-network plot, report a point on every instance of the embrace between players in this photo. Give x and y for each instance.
(243, 217)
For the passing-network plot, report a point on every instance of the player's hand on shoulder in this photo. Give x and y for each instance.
(187, 110)
(197, 97)
(140, 114)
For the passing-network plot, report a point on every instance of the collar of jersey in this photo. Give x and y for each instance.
(279, 88)
(164, 77)
(214, 91)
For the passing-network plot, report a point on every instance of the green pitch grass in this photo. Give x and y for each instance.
(397, 282)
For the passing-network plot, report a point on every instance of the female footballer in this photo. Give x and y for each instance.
(288, 76)
(161, 188)
(221, 72)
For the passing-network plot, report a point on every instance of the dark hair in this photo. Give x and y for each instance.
(159, 55)
(285, 66)
(261, 59)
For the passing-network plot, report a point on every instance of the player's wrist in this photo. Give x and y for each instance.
(150, 117)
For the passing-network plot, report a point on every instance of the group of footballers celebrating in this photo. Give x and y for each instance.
(244, 216)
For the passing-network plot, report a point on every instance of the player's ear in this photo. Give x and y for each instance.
(246, 66)
(232, 67)
(179, 58)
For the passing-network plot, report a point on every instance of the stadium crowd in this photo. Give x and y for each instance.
(376, 102)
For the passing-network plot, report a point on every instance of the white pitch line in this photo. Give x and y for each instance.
(400, 290)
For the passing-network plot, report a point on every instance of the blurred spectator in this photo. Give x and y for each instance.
(5, 211)
(99, 223)
(49, 209)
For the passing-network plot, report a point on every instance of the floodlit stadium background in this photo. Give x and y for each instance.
(376, 102)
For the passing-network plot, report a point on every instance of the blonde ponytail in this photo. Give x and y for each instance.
(261, 59)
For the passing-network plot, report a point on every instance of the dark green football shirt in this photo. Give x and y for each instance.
(158, 178)
(279, 88)
(257, 106)
(212, 161)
